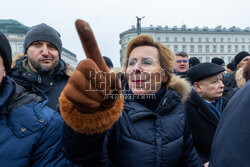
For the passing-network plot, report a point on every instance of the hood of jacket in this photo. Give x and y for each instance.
(177, 92)
(61, 69)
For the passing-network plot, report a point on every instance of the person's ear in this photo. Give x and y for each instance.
(197, 87)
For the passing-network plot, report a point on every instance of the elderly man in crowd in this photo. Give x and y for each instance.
(204, 106)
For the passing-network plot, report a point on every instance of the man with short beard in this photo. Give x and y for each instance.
(31, 132)
(42, 69)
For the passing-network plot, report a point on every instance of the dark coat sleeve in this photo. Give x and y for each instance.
(232, 138)
(191, 157)
(81, 149)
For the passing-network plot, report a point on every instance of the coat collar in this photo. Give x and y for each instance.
(202, 109)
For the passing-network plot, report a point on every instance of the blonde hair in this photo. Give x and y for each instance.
(166, 57)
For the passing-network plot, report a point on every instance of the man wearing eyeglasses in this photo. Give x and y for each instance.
(181, 65)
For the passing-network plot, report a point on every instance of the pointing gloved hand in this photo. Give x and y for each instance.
(90, 102)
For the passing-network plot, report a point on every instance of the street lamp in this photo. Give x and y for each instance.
(139, 24)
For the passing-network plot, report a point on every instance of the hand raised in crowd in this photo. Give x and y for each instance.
(91, 88)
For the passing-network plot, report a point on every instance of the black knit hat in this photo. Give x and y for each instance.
(42, 32)
(218, 61)
(231, 66)
(193, 61)
(5, 51)
(240, 56)
(203, 70)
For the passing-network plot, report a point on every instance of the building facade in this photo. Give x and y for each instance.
(15, 32)
(203, 43)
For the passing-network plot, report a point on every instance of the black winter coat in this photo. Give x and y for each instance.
(231, 146)
(142, 137)
(49, 84)
(203, 125)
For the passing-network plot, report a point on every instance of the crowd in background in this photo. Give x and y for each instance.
(178, 111)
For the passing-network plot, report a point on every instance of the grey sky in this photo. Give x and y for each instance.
(108, 18)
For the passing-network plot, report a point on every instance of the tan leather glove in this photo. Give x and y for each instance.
(91, 90)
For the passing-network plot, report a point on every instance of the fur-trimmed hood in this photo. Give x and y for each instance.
(18, 56)
(178, 84)
(181, 86)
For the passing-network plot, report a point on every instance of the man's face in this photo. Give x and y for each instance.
(243, 61)
(181, 64)
(42, 56)
(210, 88)
(2, 70)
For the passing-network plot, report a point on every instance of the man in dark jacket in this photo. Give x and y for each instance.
(232, 138)
(31, 133)
(205, 105)
(42, 69)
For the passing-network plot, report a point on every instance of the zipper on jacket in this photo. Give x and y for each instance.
(39, 79)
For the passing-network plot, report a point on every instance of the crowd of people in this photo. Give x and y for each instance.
(168, 110)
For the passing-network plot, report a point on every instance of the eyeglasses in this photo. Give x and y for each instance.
(181, 61)
(145, 62)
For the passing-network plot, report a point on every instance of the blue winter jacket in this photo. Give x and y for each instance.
(142, 137)
(31, 133)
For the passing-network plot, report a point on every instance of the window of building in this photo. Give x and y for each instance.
(214, 39)
(200, 58)
(167, 39)
(192, 48)
(191, 39)
(243, 39)
(229, 59)
(207, 59)
(248, 48)
(207, 48)
(222, 48)
(229, 48)
(184, 48)
(175, 48)
(229, 39)
(168, 46)
(183, 39)
(214, 48)
(236, 39)
(159, 39)
(243, 47)
(199, 39)
(207, 39)
(175, 39)
(199, 48)
(221, 40)
(236, 48)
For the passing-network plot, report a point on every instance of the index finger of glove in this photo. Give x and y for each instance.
(89, 44)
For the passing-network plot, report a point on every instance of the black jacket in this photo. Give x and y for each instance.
(142, 137)
(203, 125)
(49, 84)
(232, 138)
